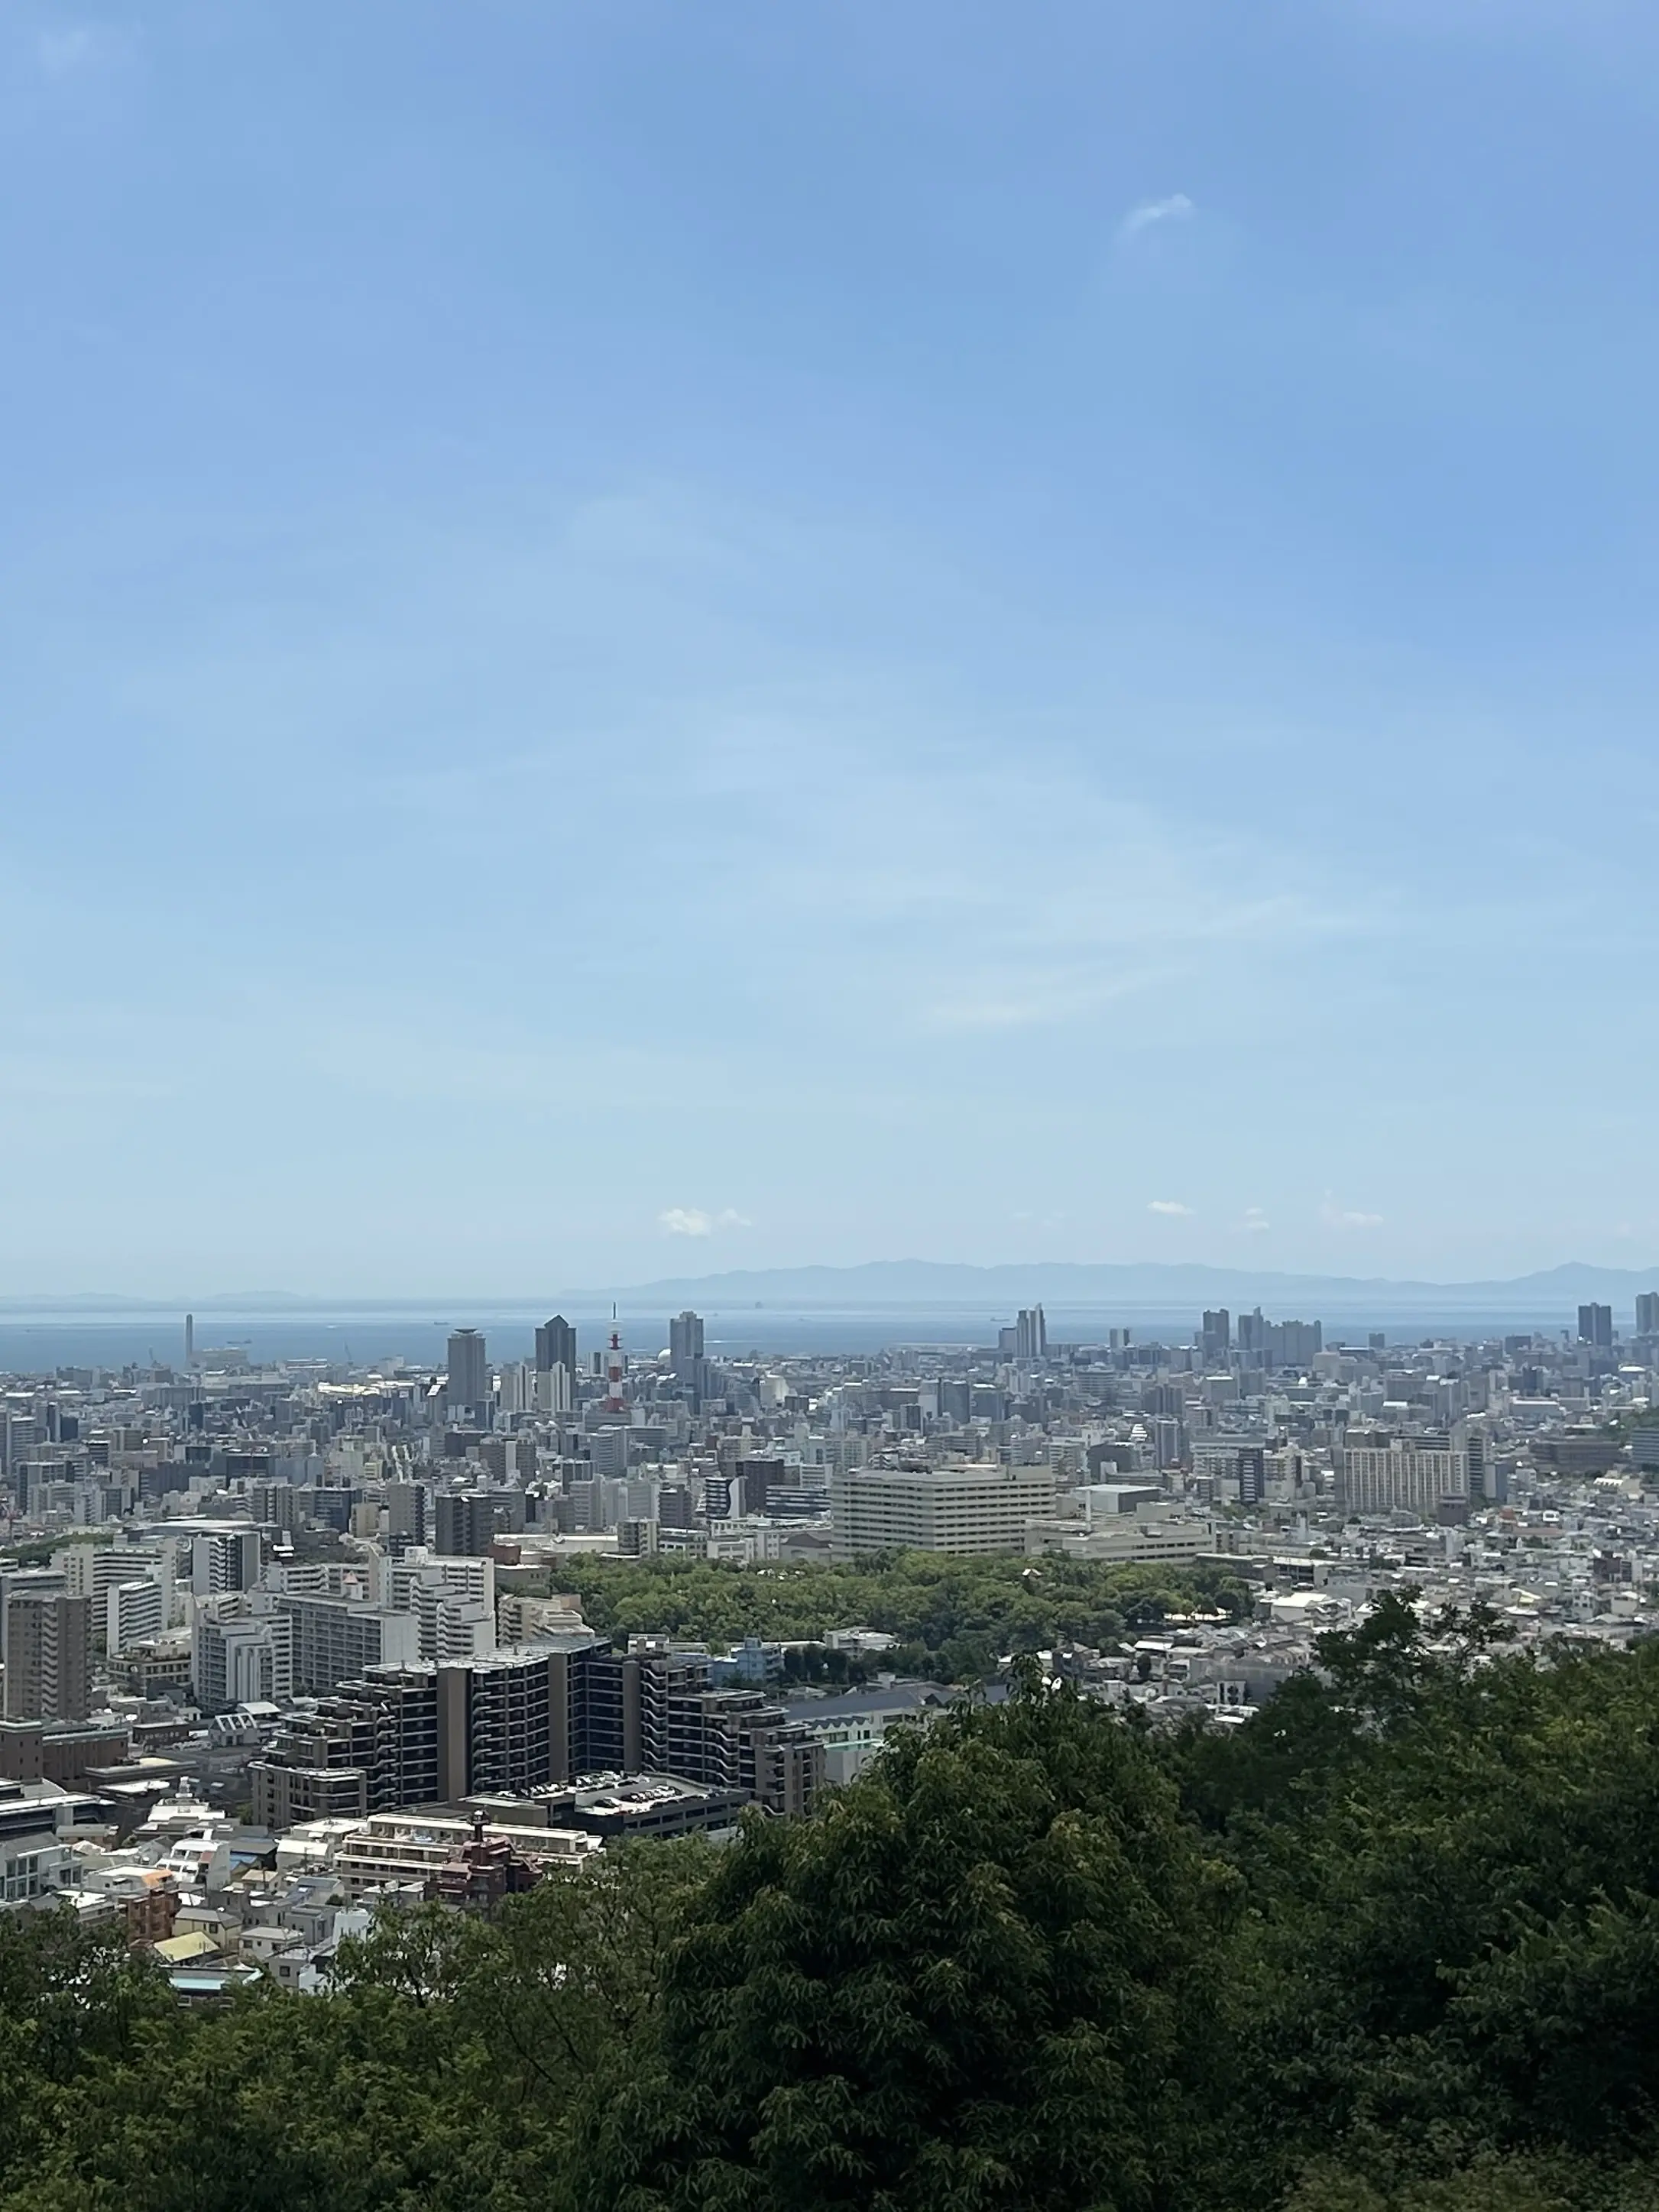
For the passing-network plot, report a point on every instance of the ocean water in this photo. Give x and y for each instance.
(39, 1343)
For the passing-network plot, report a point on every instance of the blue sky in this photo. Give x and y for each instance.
(636, 637)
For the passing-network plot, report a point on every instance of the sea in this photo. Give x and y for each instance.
(37, 1341)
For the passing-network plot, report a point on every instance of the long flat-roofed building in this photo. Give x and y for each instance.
(974, 1508)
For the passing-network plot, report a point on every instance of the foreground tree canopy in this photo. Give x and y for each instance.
(1391, 1947)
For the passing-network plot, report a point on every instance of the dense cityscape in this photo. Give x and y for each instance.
(284, 1644)
(829, 1345)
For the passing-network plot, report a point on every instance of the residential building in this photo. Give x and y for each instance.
(133, 1610)
(242, 1650)
(335, 1639)
(1408, 1474)
(48, 1645)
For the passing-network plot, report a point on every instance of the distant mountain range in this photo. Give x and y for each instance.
(1146, 1287)
(1147, 1290)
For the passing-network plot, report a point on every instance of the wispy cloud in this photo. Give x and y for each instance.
(1255, 1222)
(1178, 208)
(1337, 1217)
(64, 49)
(1172, 1206)
(693, 1221)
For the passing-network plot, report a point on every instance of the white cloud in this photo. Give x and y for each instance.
(1170, 1206)
(67, 48)
(693, 1221)
(1336, 1216)
(1178, 208)
(1255, 1221)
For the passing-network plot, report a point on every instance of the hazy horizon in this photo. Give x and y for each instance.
(873, 1285)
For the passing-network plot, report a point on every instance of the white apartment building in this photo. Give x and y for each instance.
(242, 1650)
(461, 1575)
(969, 1509)
(96, 1570)
(521, 1619)
(335, 1639)
(1408, 1476)
(409, 1846)
(224, 1559)
(133, 1610)
(453, 1626)
(452, 1600)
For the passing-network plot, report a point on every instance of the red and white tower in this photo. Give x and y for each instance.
(615, 1368)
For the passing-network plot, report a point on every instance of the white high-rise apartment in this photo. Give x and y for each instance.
(131, 1611)
(242, 1650)
(1409, 1474)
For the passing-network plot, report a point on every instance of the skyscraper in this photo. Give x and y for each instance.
(1647, 1313)
(469, 1372)
(1595, 1326)
(685, 1345)
(1030, 1334)
(556, 1346)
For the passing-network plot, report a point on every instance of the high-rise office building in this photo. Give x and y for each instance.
(405, 1513)
(1216, 1337)
(48, 1640)
(685, 1345)
(469, 1372)
(556, 1346)
(762, 1478)
(466, 1522)
(1595, 1326)
(1030, 1335)
(1294, 1343)
(1647, 1313)
(674, 1506)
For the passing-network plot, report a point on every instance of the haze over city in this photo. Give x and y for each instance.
(829, 1274)
(639, 641)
